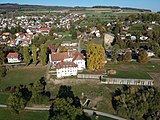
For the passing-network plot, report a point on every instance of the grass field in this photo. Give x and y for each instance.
(22, 76)
(57, 41)
(134, 70)
(99, 94)
(5, 114)
(3, 97)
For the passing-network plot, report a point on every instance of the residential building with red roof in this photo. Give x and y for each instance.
(13, 57)
(44, 31)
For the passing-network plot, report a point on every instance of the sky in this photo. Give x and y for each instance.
(153, 5)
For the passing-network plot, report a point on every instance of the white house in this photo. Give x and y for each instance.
(13, 57)
(150, 54)
(64, 69)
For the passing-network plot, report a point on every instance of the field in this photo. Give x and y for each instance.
(99, 94)
(58, 41)
(5, 114)
(23, 75)
(3, 97)
(134, 70)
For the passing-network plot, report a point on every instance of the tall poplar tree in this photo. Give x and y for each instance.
(26, 55)
(34, 53)
(95, 57)
(43, 54)
(127, 57)
(143, 57)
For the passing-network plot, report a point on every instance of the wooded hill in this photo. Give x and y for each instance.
(15, 6)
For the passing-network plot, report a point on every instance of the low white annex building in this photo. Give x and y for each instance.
(13, 57)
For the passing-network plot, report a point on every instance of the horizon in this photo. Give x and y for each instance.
(140, 4)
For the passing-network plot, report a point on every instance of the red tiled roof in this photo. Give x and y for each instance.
(12, 42)
(12, 55)
(52, 48)
(60, 56)
(78, 56)
(6, 34)
(29, 35)
(25, 41)
(44, 29)
(65, 65)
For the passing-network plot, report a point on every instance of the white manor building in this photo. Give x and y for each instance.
(64, 69)
(67, 63)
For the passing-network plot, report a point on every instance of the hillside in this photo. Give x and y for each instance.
(12, 6)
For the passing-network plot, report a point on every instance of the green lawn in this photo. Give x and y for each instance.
(136, 27)
(5, 114)
(133, 70)
(24, 75)
(60, 40)
(3, 97)
(131, 74)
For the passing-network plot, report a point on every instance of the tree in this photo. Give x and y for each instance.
(137, 102)
(143, 57)
(38, 40)
(65, 106)
(34, 53)
(127, 57)
(38, 92)
(62, 49)
(114, 55)
(43, 54)
(64, 110)
(74, 34)
(26, 55)
(1, 55)
(95, 57)
(65, 92)
(18, 100)
(3, 71)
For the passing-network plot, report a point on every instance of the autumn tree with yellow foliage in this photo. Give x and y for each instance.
(95, 57)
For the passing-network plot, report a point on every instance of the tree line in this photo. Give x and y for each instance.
(137, 103)
(35, 54)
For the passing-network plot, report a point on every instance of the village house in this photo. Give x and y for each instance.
(13, 57)
(44, 31)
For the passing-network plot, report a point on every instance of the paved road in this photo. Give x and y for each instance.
(90, 112)
(155, 59)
